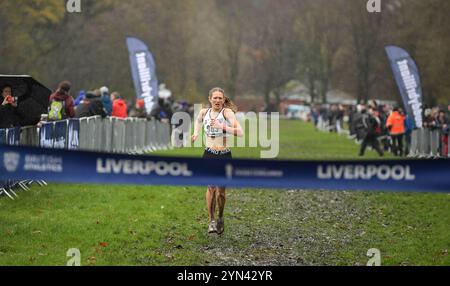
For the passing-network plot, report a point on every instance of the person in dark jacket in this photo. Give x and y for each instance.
(8, 116)
(14, 112)
(163, 109)
(91, 106)
(358, 120)
(373, 130)
(7, 97)
(139, 110)
(62, 95)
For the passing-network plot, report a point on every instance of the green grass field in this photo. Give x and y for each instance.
(164, 225)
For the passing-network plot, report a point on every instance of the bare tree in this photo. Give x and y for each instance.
(365, 31)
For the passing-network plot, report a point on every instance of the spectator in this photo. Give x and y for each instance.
(351, 126)
(163, 109)
(91, 106)
(340, 118)
(409, 126)
(106, 100)
(315, 113)
(332, 118)
(7, 97)
(139, 110)
(119, 107)
(8, 116)
(385, 137)
(373, 104)
(442, 123)
(359, 119)
(61, 103)
(80, 97)
(396, 126)
(372, 130)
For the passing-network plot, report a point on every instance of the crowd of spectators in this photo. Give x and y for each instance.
(384, 127)
(62, 105)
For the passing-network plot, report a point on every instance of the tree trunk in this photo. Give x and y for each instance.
(312, 88)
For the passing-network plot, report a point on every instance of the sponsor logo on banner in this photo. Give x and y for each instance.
(231, 171)
(406, 75)
(411, 89)
(43, 163)
(138, 167)
(361, 172)
(73, 135)
(143, 72)
(11, 161)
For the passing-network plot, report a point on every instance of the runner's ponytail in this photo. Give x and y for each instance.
(230, 104)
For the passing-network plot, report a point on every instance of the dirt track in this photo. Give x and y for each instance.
(290, 228)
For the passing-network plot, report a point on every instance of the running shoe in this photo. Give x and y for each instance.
(220, 226)
(212, 227)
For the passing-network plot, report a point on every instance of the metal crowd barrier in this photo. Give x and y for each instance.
(426, 143)
(110, 134)
(324, 125)
(25, 136)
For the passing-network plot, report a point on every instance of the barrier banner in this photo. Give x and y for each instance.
(73, 136)
(46, 135)
(56, 165)
(13, 136)
(60, 134)
(3, 136)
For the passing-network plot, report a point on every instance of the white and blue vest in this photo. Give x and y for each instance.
(211, 131)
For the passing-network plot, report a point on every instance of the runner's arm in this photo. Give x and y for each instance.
(235, 127)
(198, 124)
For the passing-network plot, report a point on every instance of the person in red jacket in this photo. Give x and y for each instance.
(61, 103)
(396, 126)
(119, 108)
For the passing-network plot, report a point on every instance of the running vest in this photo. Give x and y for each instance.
(211, 131)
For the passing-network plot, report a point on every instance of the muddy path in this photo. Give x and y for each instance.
(293, 227)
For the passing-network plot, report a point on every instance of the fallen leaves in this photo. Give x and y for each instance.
(92, 260)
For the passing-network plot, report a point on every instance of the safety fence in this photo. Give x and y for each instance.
(424, 142)
(324, 125)
(427, 143)
(110, 134)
